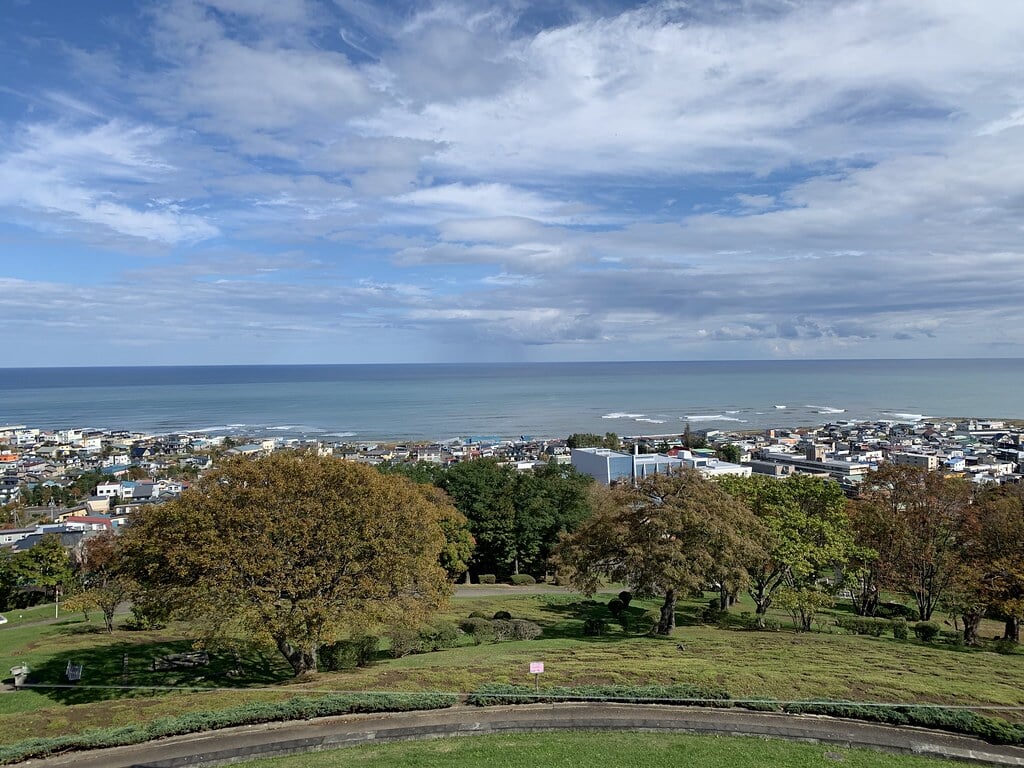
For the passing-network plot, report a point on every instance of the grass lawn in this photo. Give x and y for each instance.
(782, 665)
(569, 750)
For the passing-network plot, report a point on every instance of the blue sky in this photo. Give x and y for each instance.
(290, 181)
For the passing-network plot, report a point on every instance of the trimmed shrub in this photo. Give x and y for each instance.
(616, 606)
(522, 579)
(502, 629)
(649, 620)
(863, 625)
(895, 611)
(772, 625)
(900, 629)
(500, 694)
(488, 578)
(403, 641)
(481, 630)
(503, 615)
(1004, 646)
(348, 654)
(952, 637)
(926, 631)
(595, 627)
(480, 615)
(525, 630)
(438, 636)
(626, 597)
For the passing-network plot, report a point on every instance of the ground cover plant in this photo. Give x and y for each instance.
(829, 664)
(573, 750)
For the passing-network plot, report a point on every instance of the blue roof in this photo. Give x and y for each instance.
(113, 469)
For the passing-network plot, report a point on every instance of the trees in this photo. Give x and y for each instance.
(923, 515)
(294, 547)
(806, 533)
(664, 535)
(591, 440)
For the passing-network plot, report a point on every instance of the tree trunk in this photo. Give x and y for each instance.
(467, 577)
(302, 660)
(972, 619)
(723, 597)
(108, 618)
(1011, 630)
(668, 613)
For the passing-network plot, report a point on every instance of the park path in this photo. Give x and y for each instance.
(273, 739)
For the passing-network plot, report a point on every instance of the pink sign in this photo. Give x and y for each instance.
(536, 667)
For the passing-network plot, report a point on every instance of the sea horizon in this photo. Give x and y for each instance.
(438, 401)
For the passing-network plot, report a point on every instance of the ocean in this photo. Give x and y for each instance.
(443, 401)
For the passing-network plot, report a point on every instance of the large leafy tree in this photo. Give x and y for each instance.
(924, 515)
(294, 547)
(990, 579)
(664, 535)
(807, 533)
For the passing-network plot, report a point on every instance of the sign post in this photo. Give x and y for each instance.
(537, 669)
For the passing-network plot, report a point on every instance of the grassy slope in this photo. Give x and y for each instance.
(755, 664)
(627, 750)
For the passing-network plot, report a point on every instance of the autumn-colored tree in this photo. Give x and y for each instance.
(807, 534)
(664, 535)
(295, 547)
(105, 583)
(990, 579)
(923, 514)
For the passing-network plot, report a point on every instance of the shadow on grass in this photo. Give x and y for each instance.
(116, 669)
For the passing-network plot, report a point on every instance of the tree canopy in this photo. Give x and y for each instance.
(295, 547)
(663, 535)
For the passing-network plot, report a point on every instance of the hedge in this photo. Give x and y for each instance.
(963, 721)
(500, 693)
(299, 708)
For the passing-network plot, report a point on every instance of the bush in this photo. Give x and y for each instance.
(502, 615)
(895, 611)
(1005, 646)
(772, 625)
(525, 630)
(522, 579)
(438, 636)
(479, 615)
(595, 627)
(348, 654)
(926, 631)
(863, 625)
(899, 629)
(713, 613)
(502, 629)
(480, 629)
(649, 620)
(616, 606)
(952, 637)
(488, 578)
(500, 694)
(626, 597)
(403, 641)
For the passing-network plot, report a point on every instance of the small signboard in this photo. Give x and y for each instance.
(536, 667)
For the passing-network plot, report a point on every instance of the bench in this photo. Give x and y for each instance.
(73, 672)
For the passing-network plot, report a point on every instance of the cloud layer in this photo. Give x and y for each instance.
(310, 181)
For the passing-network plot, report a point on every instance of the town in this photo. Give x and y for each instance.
(72, 482)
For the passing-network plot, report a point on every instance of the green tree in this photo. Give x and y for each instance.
(46, 565)
(664, 535)
(729, 452)
(294, 547)
(807, 532)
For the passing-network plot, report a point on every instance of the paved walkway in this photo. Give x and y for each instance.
(233, 744)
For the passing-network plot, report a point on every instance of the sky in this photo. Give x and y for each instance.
(345, 181)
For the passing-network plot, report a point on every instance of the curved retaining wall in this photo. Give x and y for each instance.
(273, 739)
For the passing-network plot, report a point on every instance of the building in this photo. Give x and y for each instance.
(927, 461)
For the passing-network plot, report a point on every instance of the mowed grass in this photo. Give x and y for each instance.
(781, 665)
(583, 750)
